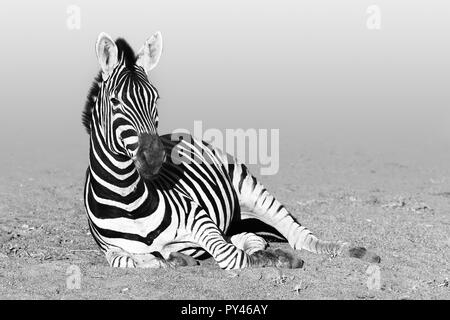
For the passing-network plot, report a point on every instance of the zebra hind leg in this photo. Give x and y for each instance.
(259, 204)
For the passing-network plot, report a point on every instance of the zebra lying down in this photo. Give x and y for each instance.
(157, 201)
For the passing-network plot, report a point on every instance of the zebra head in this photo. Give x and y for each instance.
(125, 110)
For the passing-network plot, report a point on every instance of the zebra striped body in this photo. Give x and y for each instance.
(149, 198)
(165, 214)
(143, 216)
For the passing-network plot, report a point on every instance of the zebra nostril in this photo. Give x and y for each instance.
(154, 156)
(156, 170)
(151, 154)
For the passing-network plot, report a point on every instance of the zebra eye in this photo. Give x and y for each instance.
(115, 102)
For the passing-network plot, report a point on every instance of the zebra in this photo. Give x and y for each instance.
(162, 201)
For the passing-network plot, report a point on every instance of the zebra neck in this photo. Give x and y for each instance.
(114, 177)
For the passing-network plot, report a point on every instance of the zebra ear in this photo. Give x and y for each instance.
(150, 53)
(107, 54)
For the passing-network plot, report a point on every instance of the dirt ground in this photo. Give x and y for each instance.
(395, 204)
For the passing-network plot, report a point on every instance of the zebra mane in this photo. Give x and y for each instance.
(127, 55)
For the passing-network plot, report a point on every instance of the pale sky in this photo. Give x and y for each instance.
(311, 69)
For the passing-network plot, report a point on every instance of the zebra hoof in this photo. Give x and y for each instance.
(364, 254)
(149, 261)
(177, 259)
(277, 258)
(288, 260)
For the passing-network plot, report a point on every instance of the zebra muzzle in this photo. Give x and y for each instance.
(150, 155)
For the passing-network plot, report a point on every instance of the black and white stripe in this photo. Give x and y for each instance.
(192, 207)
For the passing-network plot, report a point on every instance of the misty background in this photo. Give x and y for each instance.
(309, 68)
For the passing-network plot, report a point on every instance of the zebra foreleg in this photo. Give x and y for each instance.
(249, 242)
(256, 246)
(121, 259)
(177, 259)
